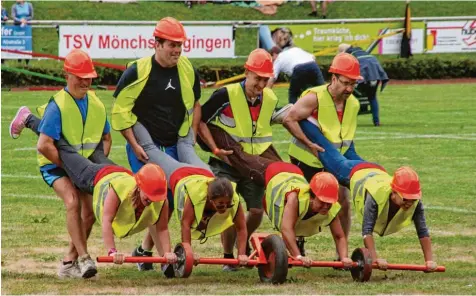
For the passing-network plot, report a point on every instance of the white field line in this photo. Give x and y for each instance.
(31, 196)
(34, 148)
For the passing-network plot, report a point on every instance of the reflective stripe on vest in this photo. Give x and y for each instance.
(83, 137)
(195, 188)
(341, 135)
(122, 116)
(377, 184)
(124, 223)
(240, 128)
(276, 191)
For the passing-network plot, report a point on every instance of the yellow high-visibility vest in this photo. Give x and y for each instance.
(194, 188)
(122, 116)
(276, 191)
(125, 223)
(84, 138)
(341, 135)
(254, 137)
(377, 183)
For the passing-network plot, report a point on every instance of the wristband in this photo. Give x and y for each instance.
(216, 151)
(111, 251)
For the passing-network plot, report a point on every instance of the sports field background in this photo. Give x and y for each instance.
(430, 127)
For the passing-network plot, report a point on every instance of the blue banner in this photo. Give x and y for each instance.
(16, 38)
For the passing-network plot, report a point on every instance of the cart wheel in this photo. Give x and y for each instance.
(363, 271)
(276, 254)
(183, 267)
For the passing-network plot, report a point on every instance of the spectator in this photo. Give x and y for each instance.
(323, 8)
(278, 38)
(4, 15)
(300, 66)
(22, 12)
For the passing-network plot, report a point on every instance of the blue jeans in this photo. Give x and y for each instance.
(334, 162)
(265, 39)
(304, 76)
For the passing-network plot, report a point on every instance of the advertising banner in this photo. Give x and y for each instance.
(317, 37)
(130, 42)
(451, 36)
(16, 38)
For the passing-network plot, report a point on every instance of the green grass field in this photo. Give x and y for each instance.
(430, 127)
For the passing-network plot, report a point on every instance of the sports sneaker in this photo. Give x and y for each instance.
(70, 270)
(168, 270)
(143, 266)
(87, 266)
(229, 267)
(279, 115)
(18, 123)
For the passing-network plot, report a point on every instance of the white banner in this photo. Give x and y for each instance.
(451, 36)
(130, 42)
(391, 45)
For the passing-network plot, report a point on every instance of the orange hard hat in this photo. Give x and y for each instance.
(346, 65)
(170, 29)
(260, 62)
(325, 186)
(152, 181)
(78, 63)
(406, 182)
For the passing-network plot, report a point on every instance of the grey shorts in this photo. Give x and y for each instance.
(252, 193)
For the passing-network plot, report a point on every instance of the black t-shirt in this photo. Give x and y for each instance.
(159, 106)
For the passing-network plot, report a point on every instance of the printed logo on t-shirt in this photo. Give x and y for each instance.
(169, 85)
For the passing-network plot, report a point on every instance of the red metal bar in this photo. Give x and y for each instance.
(410, 267)
(336, 264)
(223, 261)
(109, 259)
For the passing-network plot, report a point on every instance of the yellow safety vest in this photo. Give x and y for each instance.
(194, 187)
(125, 223)
(339, 134)
(276, 191)
(377, 183)
(240, 128)
(83, 137)
(122, 116)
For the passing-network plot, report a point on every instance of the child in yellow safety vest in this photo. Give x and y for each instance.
(298, 208)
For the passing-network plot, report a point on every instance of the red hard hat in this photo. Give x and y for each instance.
(78, 63)
(406, 182)
(260, 62)
(152, 181)
(170, 29)
(325, 186)
(346, 65)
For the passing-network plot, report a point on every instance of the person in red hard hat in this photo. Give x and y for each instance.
(298, 208)
(333, 110)
(157, 106)
(383, 204)
(77, 114)
(242, 111)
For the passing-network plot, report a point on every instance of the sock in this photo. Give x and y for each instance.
(228, 256)
(140, 250)
(67, 262)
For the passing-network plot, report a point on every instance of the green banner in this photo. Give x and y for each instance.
(318, 37)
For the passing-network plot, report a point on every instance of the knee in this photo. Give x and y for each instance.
(256, 213)
(88, 218)
(72, 203)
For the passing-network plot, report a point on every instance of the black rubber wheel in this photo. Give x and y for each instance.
(363, 271)
(276, 270)
(183, 267)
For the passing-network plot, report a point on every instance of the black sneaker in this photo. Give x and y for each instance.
(168, 270)
(143, 266)
(314, 13)
(300, 243)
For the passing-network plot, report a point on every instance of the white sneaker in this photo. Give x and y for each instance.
(87, 266)
(278, 116)
(70, 270)
(228, 267)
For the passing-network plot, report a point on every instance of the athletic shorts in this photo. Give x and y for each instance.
(50, 176)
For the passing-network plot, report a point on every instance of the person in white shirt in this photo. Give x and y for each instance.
(298, 64)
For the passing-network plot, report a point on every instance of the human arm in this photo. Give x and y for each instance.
(424, 236)
(340, 241)
(242, 235)
(30, 17)
(163, 235)
(288, 223)
(368, 225)
(188, 216)
(111, 205)
(197, 115)
(46, 146)
(107, 143)
(207, 138)
(301, 110)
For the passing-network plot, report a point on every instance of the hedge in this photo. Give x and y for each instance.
(405, 69)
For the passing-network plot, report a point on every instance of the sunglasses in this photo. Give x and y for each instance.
(221, 206)
(347, 83)
(405, 200)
